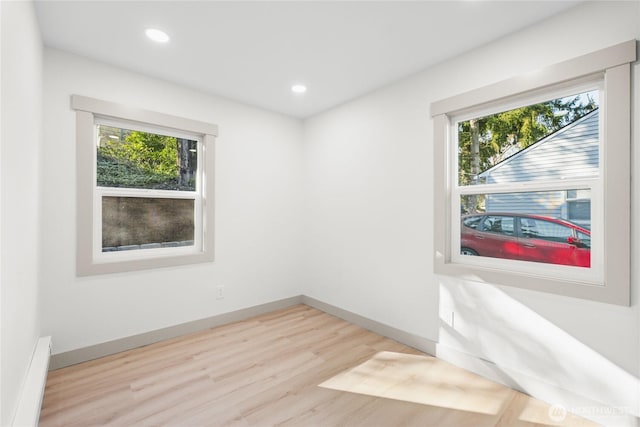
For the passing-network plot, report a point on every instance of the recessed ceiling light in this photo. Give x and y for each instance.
(298, 88)
(157, 35)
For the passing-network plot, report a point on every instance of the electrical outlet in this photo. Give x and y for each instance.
(448, 318)
(220, 292)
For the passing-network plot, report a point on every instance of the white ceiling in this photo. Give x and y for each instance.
(253, 52)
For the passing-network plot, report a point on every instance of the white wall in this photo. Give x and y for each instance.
(257, 220)
(369, 226)
(21, 142)
(345, 217)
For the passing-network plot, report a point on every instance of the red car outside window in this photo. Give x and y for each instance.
(526, 238)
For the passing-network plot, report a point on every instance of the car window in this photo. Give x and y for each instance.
(498, 224)
(585, 240)
(545, 230)
(472, 221)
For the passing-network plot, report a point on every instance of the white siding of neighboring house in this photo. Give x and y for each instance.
(571, 152)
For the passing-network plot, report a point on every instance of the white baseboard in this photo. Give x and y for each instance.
(561, 398)
(406, 338)
(30, 401)
(85, 354)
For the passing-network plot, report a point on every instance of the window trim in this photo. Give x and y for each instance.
(87, 111)
(614, 64)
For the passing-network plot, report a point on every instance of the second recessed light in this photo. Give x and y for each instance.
(156, 35)
(298, 88)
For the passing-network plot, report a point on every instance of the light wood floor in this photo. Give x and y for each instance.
(293, 367)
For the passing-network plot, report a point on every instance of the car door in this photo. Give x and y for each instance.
(548, 242)
(496, 237)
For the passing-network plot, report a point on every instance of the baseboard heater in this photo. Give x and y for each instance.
(30, 402)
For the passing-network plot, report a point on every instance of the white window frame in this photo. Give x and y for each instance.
(593, 275)
(90, 260)
(609, 279)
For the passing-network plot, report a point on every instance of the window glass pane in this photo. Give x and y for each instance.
(130, 223)
(526, 226)
(135, 159)
(552, 140)
(579, 210)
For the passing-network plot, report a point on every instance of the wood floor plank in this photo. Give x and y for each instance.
(296, 366)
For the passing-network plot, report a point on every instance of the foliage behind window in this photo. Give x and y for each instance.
(136, 159)
(486, 141)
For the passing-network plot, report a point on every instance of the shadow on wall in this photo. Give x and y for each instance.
(528, 352)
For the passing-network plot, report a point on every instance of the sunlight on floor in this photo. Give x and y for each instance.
(424, 380)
